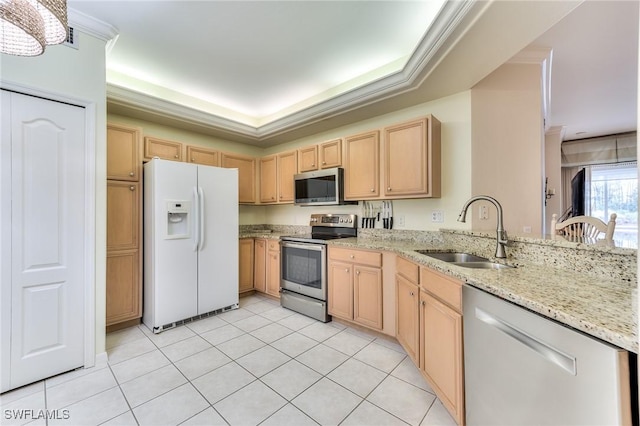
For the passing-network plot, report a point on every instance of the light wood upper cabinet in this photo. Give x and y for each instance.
(260, 265)
(287, 168)
(205, 156)
(246, 175)
(412, 159)
(268, 179)
(123, 215)
(161, 148)
(330, 154)
(362, 166)
(123, 152)
(308, 158)
(246, 259)
(323, 156)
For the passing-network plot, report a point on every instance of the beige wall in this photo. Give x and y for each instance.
(553, 172)
(454, 112)
(507, 152)
(78, 74)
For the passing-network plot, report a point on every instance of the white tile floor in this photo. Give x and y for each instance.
(260, 364)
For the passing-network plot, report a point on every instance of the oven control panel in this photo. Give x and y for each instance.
(334, 220)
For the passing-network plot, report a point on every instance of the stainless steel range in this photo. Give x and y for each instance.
(303, 270)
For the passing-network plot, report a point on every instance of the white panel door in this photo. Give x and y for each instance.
(47, 197)
(218, 254)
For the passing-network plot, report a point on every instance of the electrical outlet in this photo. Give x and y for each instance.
(437, 216)
(398, 221)
(526, 229)
(484, 212)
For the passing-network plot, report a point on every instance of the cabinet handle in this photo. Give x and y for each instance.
(175, 156)
(324, 162)
(193, 160)
(130, 173)
(132, 188)
(357, 272)
(346, 270)
(411, 293)
(389, 189)
(313, 165)
(352, 256)
(424, 303)
(373, 190)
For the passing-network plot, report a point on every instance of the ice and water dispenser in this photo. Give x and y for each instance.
(178, 213)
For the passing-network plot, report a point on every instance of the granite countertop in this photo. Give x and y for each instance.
(604, 308)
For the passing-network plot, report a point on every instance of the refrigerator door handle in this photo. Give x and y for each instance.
(201, 217)
(196, 212)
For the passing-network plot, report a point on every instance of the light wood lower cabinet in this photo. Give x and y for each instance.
(441, 358)
(429, 328)
(355, 286)
(407, 317)
(273, 268)
(260, 265)
(246, 265)
(124, 301)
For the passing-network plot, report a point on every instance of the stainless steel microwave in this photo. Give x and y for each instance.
(320, 188)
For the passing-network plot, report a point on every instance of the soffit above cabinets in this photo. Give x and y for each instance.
(466, 41)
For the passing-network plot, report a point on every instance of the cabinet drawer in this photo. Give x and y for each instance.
(408, 269)
(273, 245)
(370, 258)
(444, 288)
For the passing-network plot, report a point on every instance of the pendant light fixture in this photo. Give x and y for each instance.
(27, 26)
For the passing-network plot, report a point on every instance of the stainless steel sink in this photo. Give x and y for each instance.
(465, 260)
(482, 265)
(447, 256)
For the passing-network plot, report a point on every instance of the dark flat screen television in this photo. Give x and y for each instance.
(577, 194)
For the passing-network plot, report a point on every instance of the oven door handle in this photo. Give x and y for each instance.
(313, 247)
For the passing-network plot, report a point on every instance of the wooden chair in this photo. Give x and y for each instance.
(588, 227)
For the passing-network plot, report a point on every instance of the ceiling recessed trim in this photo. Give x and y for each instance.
(420, 63)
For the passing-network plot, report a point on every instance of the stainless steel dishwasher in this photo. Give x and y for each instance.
(523, 369)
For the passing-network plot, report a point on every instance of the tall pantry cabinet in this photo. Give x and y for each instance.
(124, 226)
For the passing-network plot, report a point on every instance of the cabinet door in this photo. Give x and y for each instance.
(407, 317)
(273, 273)
(124, 301)
(123, 215)
(123, 152)
(367, 296)
(268, 180)
(442, 359)
(260, 266)
(308, 158)
(331, 154)
(168, 150)
(246, 265)
(198, 155)
(362, 166)
(287, 168)
(340, 289)
(412, 159)
(246, 175)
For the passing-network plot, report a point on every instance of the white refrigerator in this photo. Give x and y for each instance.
(190, 242)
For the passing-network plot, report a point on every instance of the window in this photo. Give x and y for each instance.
(613, 188)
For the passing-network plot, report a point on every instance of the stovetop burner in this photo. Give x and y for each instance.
(328, 227)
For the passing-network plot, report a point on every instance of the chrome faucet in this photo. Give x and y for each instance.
(501, 233)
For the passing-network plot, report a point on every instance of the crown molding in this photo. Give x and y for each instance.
(92, 26)
(419, 64)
